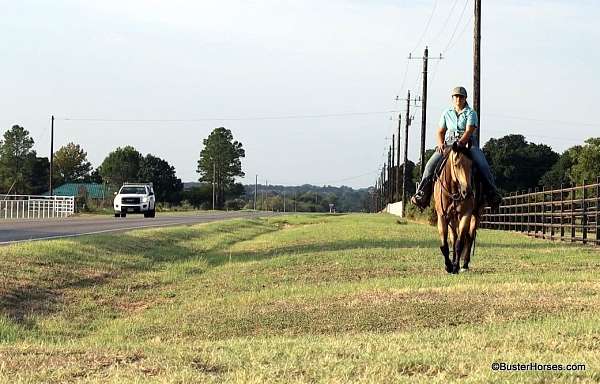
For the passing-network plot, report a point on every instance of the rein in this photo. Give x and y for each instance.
(456, 197)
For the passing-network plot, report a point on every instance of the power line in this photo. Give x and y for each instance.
(290, 117)
(404, 77)
(351, 177)
(543, 120)
(456, 27)
(275, 183)
(426, 26)
(445, 22)
(460, 34)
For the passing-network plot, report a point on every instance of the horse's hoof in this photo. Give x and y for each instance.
(463, 269)
(455, 269)
(449, 268)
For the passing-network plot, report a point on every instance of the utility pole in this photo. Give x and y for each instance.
(262, 204)
(213, 185)
(283, 200)
(477, 65)
(385, 185)
(51, 154)
(393, 178)
(389, 175)
(424, 110)
(424, 104)
(255, 190)
(377, 194)
(295, 207)
(404, 169)
(397, 183)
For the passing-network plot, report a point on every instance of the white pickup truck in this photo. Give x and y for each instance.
(135, 198)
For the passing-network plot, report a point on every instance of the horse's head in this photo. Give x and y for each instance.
(460, 165)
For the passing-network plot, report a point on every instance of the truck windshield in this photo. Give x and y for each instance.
(133, 191)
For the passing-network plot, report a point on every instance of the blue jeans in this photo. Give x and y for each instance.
(478, 158)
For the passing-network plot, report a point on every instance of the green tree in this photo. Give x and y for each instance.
(560, 173)
(199, 197)
(162, 175)
(411, 187)
(220, 162)
(17, 160)
(587, 164)
(517, 164)
(120, 166)
(71, 164)
(94, 177)
(39, 177)
(234, 191)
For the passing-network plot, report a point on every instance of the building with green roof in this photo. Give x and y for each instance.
(93, 190)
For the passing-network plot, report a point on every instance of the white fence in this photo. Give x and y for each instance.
(394, 208)
(36, 207)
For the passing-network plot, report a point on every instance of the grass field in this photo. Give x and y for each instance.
(295, 299)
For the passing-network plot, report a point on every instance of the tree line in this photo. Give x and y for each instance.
(518, 164)
(22, 171)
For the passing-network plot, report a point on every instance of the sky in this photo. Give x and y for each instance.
(307, 86)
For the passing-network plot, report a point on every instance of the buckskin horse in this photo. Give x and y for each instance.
(456, 206)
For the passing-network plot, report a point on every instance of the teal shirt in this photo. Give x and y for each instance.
(456, 123)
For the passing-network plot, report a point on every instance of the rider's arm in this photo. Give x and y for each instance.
(441, 132)
(471, 126)
(467, 135)
(441, 135)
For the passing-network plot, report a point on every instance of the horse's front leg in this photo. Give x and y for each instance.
(443, 232)
(470, 243)
(461, 242)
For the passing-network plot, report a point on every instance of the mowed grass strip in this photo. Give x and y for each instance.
(306, 298)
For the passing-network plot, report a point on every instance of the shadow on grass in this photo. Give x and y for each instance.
(20, 302)
(50, 269)
(99, 260)
(332, 246)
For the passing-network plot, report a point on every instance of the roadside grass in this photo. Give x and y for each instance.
(305, 298)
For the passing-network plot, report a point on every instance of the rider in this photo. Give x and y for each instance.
(458, 123)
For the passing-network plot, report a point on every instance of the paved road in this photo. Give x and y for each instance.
(12, 231)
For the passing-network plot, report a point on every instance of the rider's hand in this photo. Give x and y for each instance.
(440, 148)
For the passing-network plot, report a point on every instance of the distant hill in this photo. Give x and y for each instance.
(191, 184)
(311, 198)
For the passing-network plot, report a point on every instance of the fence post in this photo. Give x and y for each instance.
(573, 213)
(522, 215)
(528, 210)
(552, 213)
(535, 212)
(562, 209)
(597, 210)
(584, 214)
(513, 219)
(543, 212)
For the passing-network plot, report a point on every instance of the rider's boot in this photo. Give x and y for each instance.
(423, 194)
(492, 196)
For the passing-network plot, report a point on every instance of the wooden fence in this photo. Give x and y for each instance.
(567, 214)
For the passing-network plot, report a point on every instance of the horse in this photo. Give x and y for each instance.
(456, 206)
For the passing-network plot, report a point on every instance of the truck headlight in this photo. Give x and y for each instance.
(145, 199)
